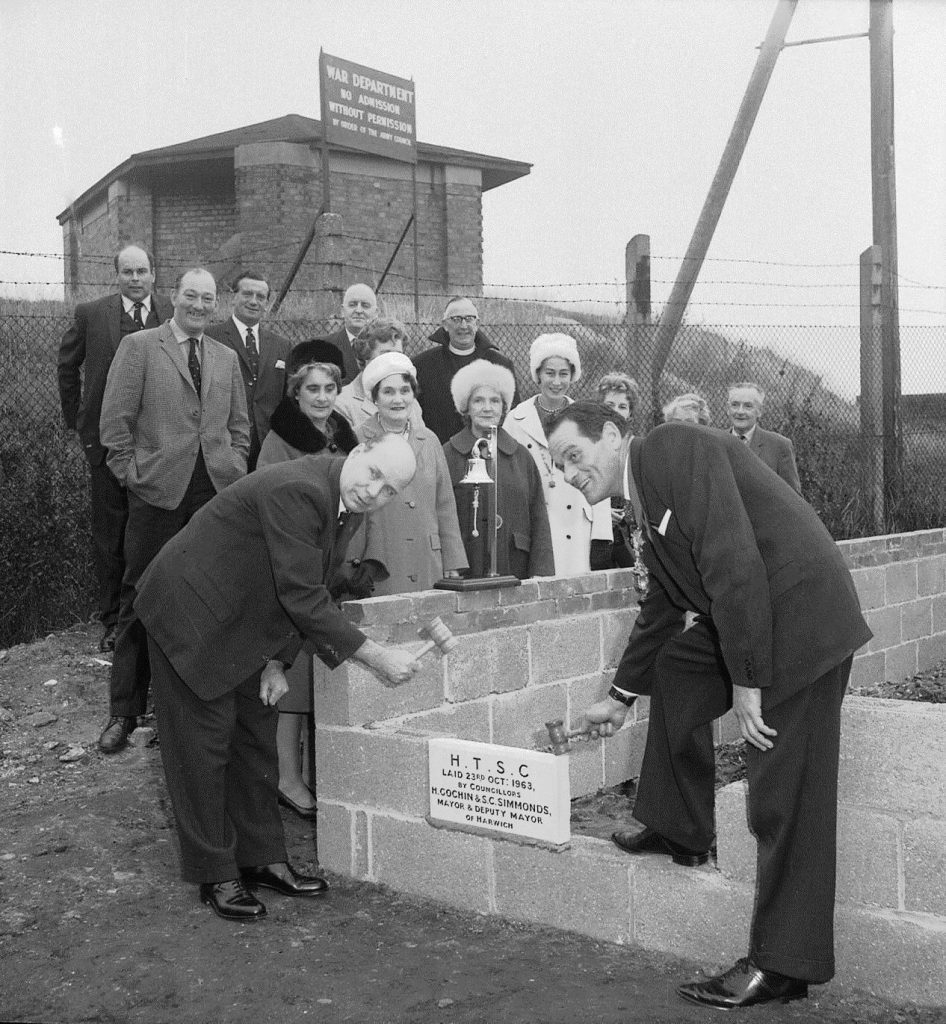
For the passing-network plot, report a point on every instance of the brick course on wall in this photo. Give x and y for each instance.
(545, 650)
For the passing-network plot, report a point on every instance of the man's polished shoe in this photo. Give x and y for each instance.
(649, 841)
(232, 900)
(744, 984)
(283, 878)
(309, 813)
(107, 643)
(115, 734)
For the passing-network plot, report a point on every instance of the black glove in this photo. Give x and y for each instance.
(357, 581)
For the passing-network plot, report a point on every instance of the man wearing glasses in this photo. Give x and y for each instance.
(458, 342)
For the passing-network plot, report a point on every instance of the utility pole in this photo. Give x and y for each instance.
(722, 182)
(884, 206)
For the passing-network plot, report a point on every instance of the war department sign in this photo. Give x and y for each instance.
(367, 109)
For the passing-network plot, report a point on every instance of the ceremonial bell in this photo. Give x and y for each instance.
(476, 472)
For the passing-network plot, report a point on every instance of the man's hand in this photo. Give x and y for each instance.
(272, 683)
(607, 716)
(747, 707)
(393, 665)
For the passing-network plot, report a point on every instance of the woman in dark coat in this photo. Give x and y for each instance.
(482, 394)
(304, 423)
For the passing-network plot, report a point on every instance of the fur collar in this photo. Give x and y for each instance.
(301, 433)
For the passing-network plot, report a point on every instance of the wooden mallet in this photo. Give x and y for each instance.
(440, 636)
(560, 737)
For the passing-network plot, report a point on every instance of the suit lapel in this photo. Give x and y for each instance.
(113, 322)
(237, 342)
(175, 352)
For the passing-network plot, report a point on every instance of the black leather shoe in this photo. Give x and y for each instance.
(232, 900)
(283, 878)
(744, 984)
(115, 734)
(107, 643)
(649, 841)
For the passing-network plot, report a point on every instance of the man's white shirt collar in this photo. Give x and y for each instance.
(748, 434)
(129, 306)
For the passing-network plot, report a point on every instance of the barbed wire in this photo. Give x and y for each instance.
(108, 258)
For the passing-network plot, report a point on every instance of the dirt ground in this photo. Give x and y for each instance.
(95, 924)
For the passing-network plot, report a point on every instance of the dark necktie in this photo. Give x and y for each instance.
(252, 352)
(193, 364)
(743, 438)
(139, 322)
(343, 518)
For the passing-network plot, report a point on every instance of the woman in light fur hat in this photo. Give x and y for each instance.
(415, 536)
(482, 394)
(555, 365)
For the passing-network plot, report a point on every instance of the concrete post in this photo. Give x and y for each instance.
(639, 327)
(872, 382)
(331, 256)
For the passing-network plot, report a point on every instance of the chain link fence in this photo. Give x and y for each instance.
(46, 574)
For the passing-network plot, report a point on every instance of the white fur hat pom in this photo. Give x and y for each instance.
(385, 365)
(546, 345)
(481, 373)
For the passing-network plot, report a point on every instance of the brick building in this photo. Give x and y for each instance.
(249, 196)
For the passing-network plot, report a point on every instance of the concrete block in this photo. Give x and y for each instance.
(727, 728)
(565, 648)
(582, 693)
(623, 753)
(585, 768)
(868, 669)
(476, 600)
(469, 721)
(560, 587)
(916, 618)
(526, 593)
(616, 629)
(871, 585)
(931, 575)
(901, 582)
(372, 768)
(884, 623)
(337, 843)
(867, 857)
(609, 599)
(428, 604)
(735, 845)
(893, 955)
(586, 890)
(930, 651)
(924, 866)
(901, 662)
(478, 667)
(352, 695)
(379, 610)
(939, 614)
(412, 856)
(577, 604)
(692, 912)
(519, 718)
(893, 756)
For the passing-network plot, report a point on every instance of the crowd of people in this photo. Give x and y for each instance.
(243, 487)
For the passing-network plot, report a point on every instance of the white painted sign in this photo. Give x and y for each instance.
(508, 790)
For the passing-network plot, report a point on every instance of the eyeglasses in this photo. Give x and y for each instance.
(470, 318)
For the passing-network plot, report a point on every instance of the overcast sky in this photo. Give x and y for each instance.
(622, 106)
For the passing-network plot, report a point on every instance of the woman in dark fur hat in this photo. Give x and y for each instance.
(304, 423)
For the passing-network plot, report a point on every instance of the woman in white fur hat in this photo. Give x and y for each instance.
(482, 394)
(415, 536)
(555, 365)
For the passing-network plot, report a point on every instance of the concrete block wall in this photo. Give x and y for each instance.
(545, 650)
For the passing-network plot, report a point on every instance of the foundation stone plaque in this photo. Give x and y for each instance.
(509, 791)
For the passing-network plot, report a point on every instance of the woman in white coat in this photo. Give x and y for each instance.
(555, 365)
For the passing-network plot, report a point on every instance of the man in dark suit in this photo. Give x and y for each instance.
(263, 354)
(227, 604)
(777, 623)
(359, 308)
(175, 425)
(88, 346)
(457, 342)
(744, 408)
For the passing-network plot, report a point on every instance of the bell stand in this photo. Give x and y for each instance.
(492, 580)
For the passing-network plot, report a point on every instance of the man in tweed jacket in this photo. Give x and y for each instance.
(175, 424)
